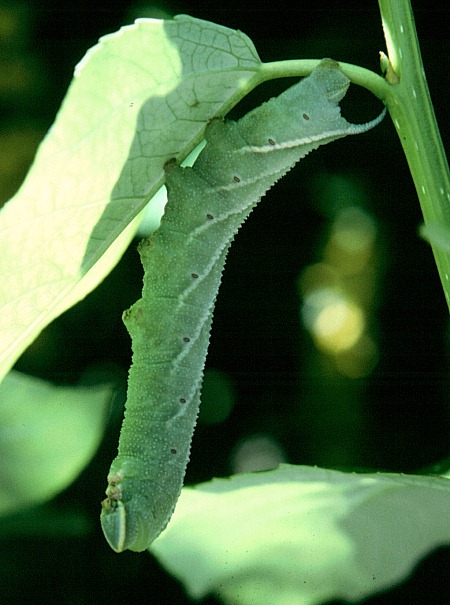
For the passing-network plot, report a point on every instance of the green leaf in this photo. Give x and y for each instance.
(48, 434)
(140, 97)
(303, 535)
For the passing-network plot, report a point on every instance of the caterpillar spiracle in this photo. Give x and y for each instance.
(183, 262)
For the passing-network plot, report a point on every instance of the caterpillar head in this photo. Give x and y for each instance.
(126, 518)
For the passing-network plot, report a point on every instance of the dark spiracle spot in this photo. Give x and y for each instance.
(194, 275)
(173, 451)
(236, 179)
(186, 339)
(306, 116)
(271, 142)
(209, 217)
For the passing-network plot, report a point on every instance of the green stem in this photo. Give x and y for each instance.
(405, 92)
(358, 75)
(412, 112)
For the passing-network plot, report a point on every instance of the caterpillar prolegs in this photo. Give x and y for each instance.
(183, 262)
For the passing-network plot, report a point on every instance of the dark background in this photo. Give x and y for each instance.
(257, 337)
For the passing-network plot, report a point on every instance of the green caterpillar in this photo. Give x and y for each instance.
(183, 264)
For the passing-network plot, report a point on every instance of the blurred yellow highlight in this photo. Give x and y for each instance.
(338, 293)
(350, 245)
(335, 323)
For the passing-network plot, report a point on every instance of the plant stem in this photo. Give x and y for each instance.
(295, 67)
(405, 92)
(412, 112)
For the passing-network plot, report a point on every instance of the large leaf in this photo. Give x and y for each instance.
(48, 434)
(138, 98)
(303, 535)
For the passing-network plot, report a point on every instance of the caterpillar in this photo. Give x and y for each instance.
(183, 262)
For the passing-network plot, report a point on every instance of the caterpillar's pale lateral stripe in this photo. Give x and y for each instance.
(183, 263)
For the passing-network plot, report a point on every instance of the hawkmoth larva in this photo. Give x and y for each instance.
(183, 263)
